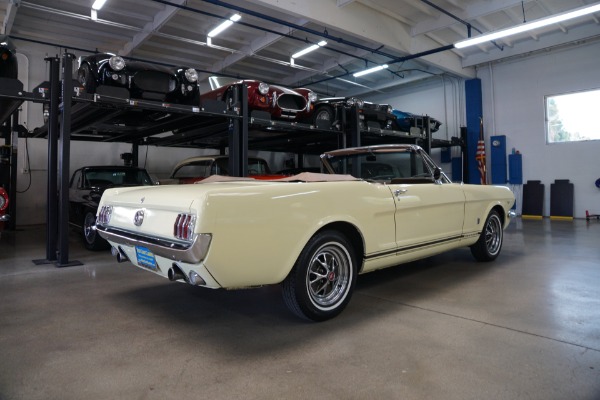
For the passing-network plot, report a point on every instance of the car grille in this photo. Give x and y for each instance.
(154, 81)
(291, 102)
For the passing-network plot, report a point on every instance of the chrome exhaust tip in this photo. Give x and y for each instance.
(119, 253)
(175, 273)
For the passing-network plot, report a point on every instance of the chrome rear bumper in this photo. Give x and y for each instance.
(191, 253)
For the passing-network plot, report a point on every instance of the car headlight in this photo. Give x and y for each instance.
(191, 75)
(117, 63)
(263, 88)
(353, 101)
(312, 97)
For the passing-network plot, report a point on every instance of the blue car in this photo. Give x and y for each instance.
(405, 120)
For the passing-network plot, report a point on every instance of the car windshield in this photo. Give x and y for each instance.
(217, 82)
(256, 166)
(389, 166)
(117, 177)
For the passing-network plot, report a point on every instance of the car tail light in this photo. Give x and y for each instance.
(184, 227)
(104, 215)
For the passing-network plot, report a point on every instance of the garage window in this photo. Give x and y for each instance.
(570, 117)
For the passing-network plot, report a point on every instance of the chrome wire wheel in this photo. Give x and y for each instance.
(89, 229)
(323, 115)
(489, 244)
(493, 234)
(329, 275)
(321, 283)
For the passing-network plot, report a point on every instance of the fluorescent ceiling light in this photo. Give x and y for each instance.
(98, 4)
(370, 70)
(309, 49)
(226, 24)
(555, 19)
(94, 15)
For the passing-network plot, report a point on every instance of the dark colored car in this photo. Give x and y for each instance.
(406, 120)
(280, 102)
(144, 80)
(369, 114)
(9, 66)
(85, 190)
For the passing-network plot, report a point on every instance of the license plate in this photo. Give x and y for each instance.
(145, 257)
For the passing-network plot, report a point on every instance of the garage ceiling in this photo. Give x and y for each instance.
(360, 33)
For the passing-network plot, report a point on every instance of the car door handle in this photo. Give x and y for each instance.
(398, 192)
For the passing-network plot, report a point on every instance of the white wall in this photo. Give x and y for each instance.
(513, 105)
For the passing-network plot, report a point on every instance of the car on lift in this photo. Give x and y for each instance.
(379, 206)
(85, 190)
(279, 102)
(9, 68)
(406, 120)
(328, 110)
(198, 168)
(143, 80)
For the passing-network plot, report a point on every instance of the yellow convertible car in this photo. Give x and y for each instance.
(376, 207)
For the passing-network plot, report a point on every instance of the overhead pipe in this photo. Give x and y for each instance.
(462, 21)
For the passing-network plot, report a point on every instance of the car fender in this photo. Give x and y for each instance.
(258, 245)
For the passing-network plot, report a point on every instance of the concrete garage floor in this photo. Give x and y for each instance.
(524, 327)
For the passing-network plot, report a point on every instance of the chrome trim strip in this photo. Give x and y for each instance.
(408, 249)
(191, 253)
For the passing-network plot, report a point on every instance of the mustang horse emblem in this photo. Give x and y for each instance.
(138, 219)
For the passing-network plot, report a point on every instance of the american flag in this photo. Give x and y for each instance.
(480, 155)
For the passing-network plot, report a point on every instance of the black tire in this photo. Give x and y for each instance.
(91, 239)
(324, 113)
(489, 244)
(10, 67)
(322, 281)
(86, 78)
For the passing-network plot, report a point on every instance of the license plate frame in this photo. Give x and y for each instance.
(145, 257)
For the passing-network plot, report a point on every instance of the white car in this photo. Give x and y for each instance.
(378, 207)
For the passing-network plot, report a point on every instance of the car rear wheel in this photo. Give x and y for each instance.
(322, 281)
(323, 113)
(489, 244)
(92, 240)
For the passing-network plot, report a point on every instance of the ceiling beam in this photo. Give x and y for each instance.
(356, 19)
(476, 10)
(159, 20)
(254, 47)
(11, 12)
(577, 34)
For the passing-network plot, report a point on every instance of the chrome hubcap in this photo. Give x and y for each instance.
(88, 228)
(493, 235)
(328, 276)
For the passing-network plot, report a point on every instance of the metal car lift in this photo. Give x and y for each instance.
(74, 115)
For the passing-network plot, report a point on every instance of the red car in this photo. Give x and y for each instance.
(280, 102)
(3, 207)
(195, 169)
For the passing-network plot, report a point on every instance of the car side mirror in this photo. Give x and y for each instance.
(437, 174)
